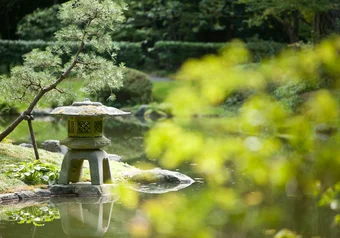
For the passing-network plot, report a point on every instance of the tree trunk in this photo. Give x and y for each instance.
(291, 25)
(316, 27)
(23, 115)
(296, 26)
(34, 143)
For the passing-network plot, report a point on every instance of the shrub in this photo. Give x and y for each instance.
(263, 49)
(136, 89)
(164, 55)
(130, 53)
(12, 52)
(170, 55)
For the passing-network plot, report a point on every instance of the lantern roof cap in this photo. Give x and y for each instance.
(88, 108)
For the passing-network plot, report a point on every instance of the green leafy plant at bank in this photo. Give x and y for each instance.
(36, 215)
(34, 173)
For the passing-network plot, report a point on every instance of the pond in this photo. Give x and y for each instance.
(267, 214)
(126, 137)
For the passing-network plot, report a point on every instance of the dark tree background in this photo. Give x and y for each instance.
(195, 20)
(12, 11)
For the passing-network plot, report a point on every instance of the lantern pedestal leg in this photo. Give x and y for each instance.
(82, 218)
(106, 171)
(71, 168)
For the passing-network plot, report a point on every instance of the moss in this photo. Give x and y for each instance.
(8, 185)
(10, 154)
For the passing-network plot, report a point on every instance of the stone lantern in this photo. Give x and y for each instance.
(85, 140)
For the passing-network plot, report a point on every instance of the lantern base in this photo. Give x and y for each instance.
(85, 143)
(71, 168)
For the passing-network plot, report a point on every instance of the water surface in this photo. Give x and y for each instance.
(96, 217)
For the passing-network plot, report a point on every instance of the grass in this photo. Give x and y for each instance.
(161, 89)
(13, 154)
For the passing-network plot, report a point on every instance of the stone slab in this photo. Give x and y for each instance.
(81, 189)
(8, 197)
(42, 192)
(23, 195)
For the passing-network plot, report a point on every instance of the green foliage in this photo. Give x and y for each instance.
(87, 25)
(136, 89)
(36, 215)
(41, 24)
(13, 51)
(34, 173)
(291, 95)
(172, 20)
(289, 13)
(164, 55)
(263, 150)
(331, 197)
(188, 20)
(130, 53)
(285, 233)
(261, 49)
(171, 55)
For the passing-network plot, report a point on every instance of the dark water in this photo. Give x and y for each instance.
(98, 217)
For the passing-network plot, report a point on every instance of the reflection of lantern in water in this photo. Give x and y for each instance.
(86, 218)
(85, 138)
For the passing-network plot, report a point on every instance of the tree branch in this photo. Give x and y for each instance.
(43, 91)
